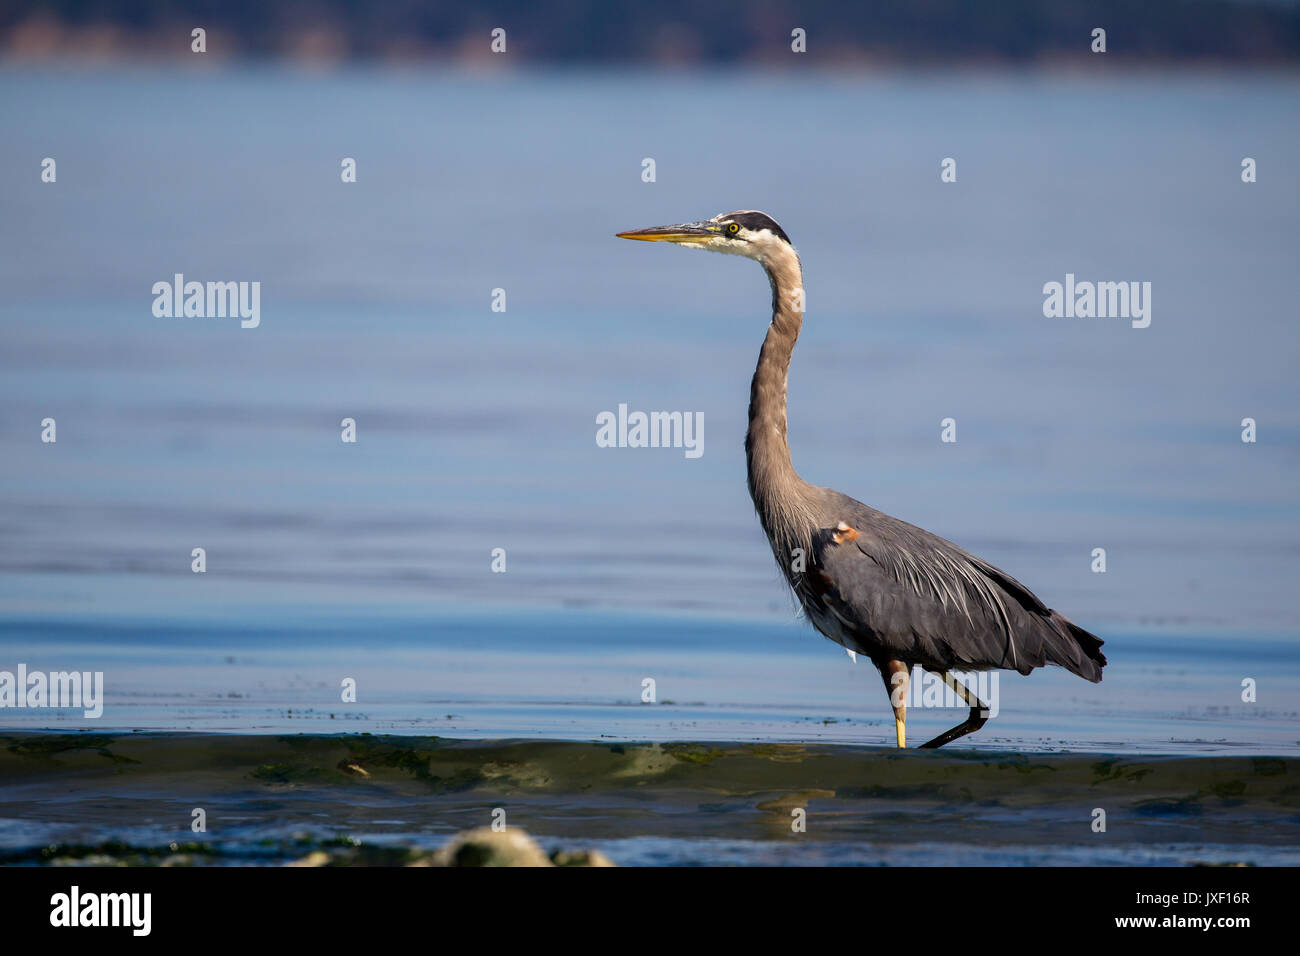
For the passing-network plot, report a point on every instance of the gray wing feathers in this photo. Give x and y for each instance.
(921, 598)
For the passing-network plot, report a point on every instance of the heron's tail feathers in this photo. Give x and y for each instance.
(1077, 650)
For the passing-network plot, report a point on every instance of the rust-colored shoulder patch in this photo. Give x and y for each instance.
(843, 533)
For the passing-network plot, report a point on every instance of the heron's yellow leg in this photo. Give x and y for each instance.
(895, 674)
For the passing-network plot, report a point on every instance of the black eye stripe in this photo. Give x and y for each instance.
(757, 221)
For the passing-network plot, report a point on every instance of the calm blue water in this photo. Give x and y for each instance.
(476, 428)
(579, 675)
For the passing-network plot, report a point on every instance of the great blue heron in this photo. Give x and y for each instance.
(874, 584)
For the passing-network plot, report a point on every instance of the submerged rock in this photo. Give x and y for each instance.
(488, 847)
(480, 847)
(512, 847)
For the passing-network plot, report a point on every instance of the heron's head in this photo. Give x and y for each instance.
(745, 232)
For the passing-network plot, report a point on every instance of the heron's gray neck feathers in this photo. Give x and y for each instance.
(783, 499)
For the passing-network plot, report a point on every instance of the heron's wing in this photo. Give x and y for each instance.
(920, 598)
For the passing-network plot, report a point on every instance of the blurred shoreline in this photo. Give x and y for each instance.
(74, 64)
(673, 33)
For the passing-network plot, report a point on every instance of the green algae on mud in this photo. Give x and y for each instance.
(413, 793)
(442, 765)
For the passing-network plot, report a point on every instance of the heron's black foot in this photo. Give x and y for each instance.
(972, 724)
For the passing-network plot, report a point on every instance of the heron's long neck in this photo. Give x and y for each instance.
(779, 493)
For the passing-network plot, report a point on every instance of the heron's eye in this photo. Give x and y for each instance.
(733, 228)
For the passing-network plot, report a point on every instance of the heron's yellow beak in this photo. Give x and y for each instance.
(687, 233)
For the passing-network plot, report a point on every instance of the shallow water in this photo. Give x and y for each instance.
(271, 798)
(1166, 734)
(580, 675)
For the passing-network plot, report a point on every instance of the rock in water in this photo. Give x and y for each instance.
(488, 847)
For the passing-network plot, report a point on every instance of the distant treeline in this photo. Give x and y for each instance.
(702, 32)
